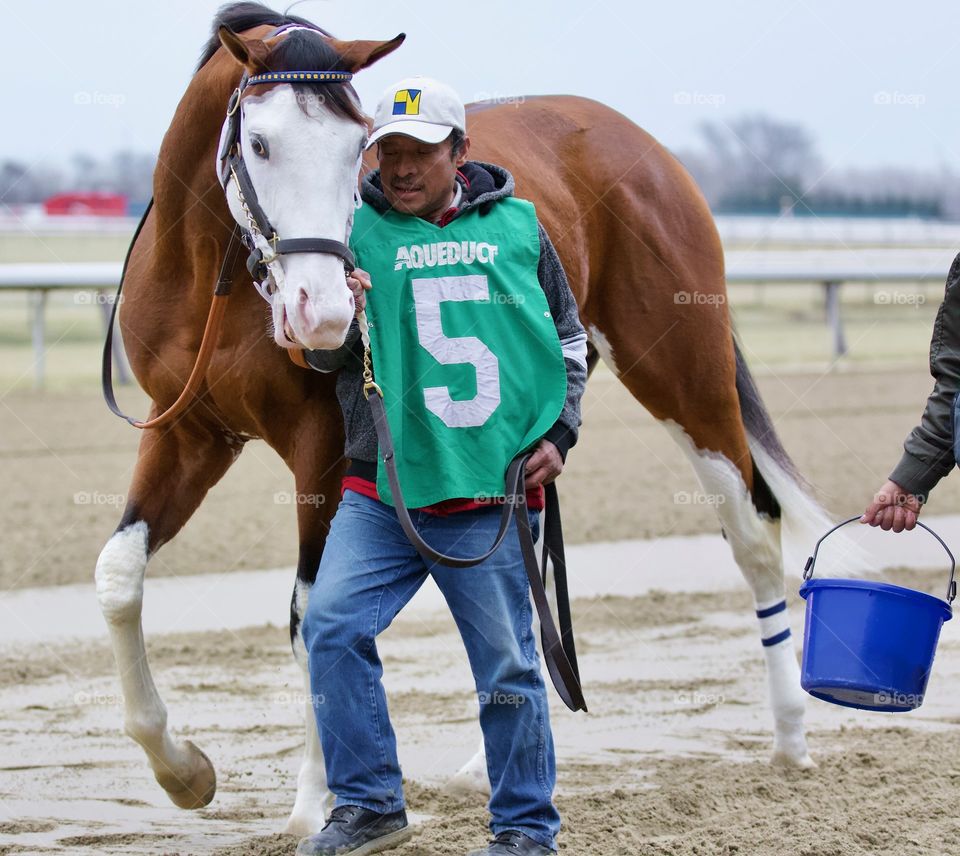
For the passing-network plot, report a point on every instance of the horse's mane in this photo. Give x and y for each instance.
(244, 16)
(297, 51)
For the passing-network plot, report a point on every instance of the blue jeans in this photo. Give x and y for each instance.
(368, 572)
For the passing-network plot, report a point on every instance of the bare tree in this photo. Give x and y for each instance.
(760, 160)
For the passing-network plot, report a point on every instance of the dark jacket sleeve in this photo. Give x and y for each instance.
(928, 450)
(347, 354)
(573, 339)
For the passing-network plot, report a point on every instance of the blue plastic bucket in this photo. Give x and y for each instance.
(870, 645)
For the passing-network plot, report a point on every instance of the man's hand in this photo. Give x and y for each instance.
(544, 465)
(359, 283)
(892, 508)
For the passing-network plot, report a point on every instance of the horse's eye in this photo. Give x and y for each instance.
(259, 147)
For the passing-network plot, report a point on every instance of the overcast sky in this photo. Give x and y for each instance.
(874, 82)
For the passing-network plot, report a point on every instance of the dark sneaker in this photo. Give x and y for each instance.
(355, 831)
(513, 843)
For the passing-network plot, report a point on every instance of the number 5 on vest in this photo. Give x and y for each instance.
(428, 294)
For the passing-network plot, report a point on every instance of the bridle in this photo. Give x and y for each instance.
(260, 238)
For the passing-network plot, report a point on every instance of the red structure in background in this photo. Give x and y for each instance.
(87, 205)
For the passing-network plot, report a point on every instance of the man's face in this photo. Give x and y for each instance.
(418, 177)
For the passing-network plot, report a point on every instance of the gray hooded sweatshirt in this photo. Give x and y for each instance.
(482, 185)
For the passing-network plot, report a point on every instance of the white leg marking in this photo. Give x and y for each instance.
(180, 767)
(755, 542)
(603, 347)
(314, 800)
(472, 777)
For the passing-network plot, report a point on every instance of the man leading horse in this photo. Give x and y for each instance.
(480, 352)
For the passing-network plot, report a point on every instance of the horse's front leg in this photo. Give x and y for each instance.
(175, 468)
(314, 800)
(317, 463)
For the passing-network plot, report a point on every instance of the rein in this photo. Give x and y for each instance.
(207, 344)
(263, 261)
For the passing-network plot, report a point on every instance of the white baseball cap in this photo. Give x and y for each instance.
(418, 107)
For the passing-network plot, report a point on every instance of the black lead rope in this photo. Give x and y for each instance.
(106, 371)
(222, 289)
(559, 650)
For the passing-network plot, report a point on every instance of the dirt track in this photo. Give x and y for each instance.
(671, 761)
(68, 463)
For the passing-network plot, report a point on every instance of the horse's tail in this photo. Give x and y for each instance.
(780, 491)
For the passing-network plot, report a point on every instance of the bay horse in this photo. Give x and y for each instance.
(644, 261)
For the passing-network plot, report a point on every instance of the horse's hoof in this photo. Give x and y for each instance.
(304, 825)
(469, 782)
(793, 762)
(198, 790)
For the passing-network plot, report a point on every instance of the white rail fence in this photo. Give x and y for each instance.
(829, 269)
(39, 279)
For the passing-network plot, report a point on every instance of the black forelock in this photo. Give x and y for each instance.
(298, 51)
(302, 51)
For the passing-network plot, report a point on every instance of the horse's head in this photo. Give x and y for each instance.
(291, 178)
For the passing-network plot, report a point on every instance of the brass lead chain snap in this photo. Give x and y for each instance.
(369, 385)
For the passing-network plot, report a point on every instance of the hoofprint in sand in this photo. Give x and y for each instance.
(672, 759)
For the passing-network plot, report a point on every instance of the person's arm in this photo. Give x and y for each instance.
(928, 453)
(546, 463)
(351, 351)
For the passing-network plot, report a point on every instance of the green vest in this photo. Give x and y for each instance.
(463, 343)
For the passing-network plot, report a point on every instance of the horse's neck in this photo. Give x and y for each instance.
(187, 195)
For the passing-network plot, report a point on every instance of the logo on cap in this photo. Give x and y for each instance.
(406, 102)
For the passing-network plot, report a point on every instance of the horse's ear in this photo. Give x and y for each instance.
(250, 53)
(357, 55)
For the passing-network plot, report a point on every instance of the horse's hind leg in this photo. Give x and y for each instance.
(688, 379)
(317, 467)
(174, 470)
(751, 525)
(313, 801)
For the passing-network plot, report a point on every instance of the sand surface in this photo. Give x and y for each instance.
(672, 758)
(67, 464)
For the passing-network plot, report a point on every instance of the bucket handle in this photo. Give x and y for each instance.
(951, 587)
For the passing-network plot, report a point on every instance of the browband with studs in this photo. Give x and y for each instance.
(300, 77)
